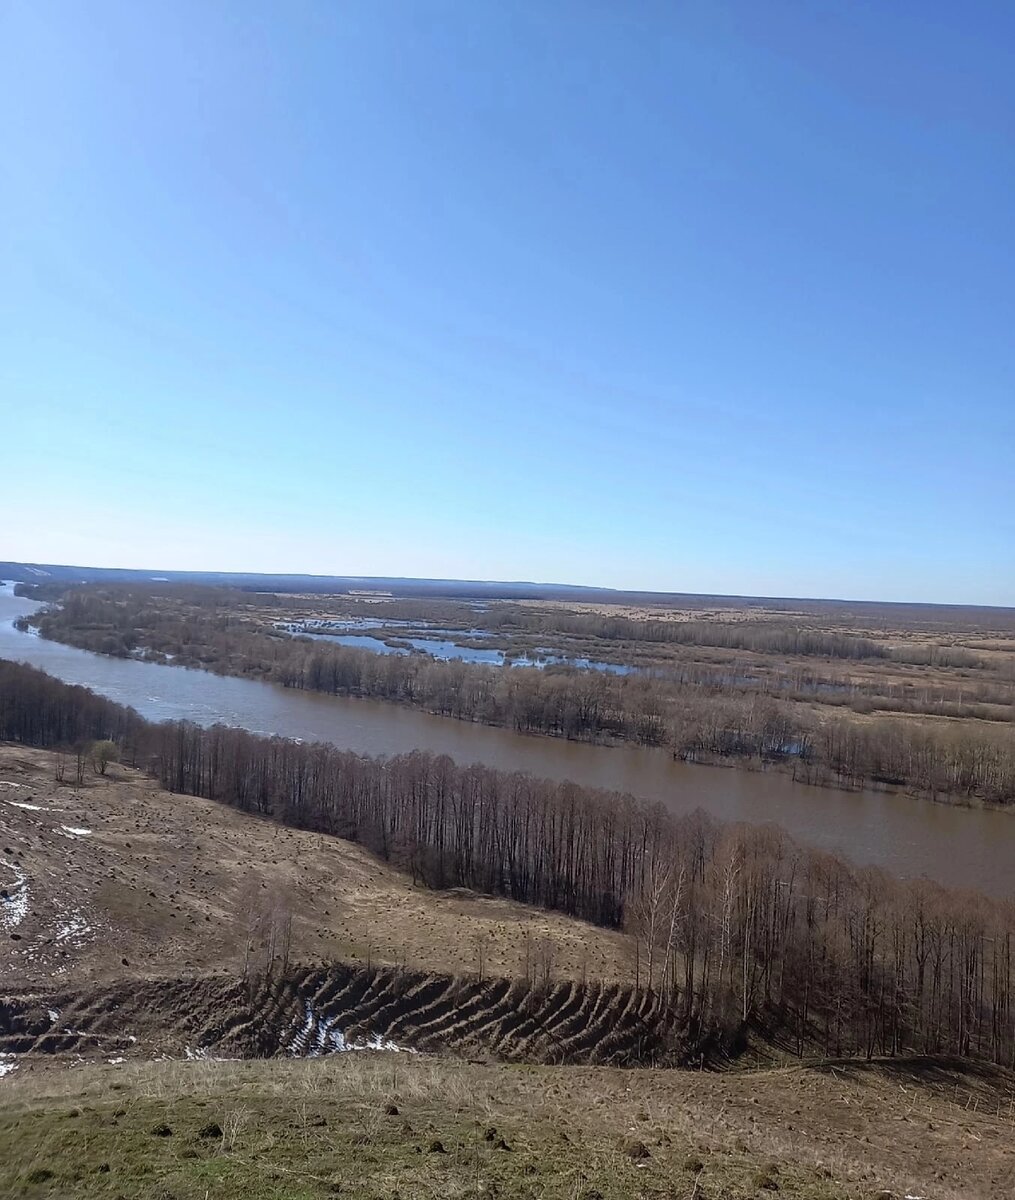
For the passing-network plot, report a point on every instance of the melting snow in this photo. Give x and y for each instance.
(25, 804)
(203, 1054)
(329, 1040)
(7, 1064)
(338, 1041)
(53, 1014)
(72, 831)
(74, 926)
(14, 906)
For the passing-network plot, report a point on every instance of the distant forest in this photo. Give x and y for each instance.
(738, 927)
(698, 713)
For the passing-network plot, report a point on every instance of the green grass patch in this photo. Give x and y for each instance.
(233, 1138)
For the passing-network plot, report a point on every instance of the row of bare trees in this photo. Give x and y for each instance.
(38, 710)
(740, 923)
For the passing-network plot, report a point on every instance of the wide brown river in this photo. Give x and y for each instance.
(960, 847)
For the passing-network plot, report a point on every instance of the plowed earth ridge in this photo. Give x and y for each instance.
(321, 1010)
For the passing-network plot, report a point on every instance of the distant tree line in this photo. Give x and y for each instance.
(782, 637)
(735, 925)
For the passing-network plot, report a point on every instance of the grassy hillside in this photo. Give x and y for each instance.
(329, 1127)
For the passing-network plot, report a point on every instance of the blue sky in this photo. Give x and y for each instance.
(708, 297)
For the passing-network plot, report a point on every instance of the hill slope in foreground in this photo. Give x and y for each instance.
(115, 868)
(126, 920)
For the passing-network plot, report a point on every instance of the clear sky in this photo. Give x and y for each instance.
(695, 296)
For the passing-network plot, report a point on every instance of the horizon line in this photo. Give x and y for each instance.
(161, 574)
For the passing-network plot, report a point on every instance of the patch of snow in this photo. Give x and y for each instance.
(298, 1044)
(115, 1062)
(376, 1042)
(53, 1014)
(14, 907)
(327, 1039)
(7, 1064)
(72, 831)
(203, 1054)
(74, 926)
(25, 804)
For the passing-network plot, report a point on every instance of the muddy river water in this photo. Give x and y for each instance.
(956, 846)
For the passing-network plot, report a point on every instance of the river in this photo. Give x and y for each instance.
(955, 846)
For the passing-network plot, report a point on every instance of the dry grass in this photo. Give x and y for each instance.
(320, 1127)
(171, 882)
